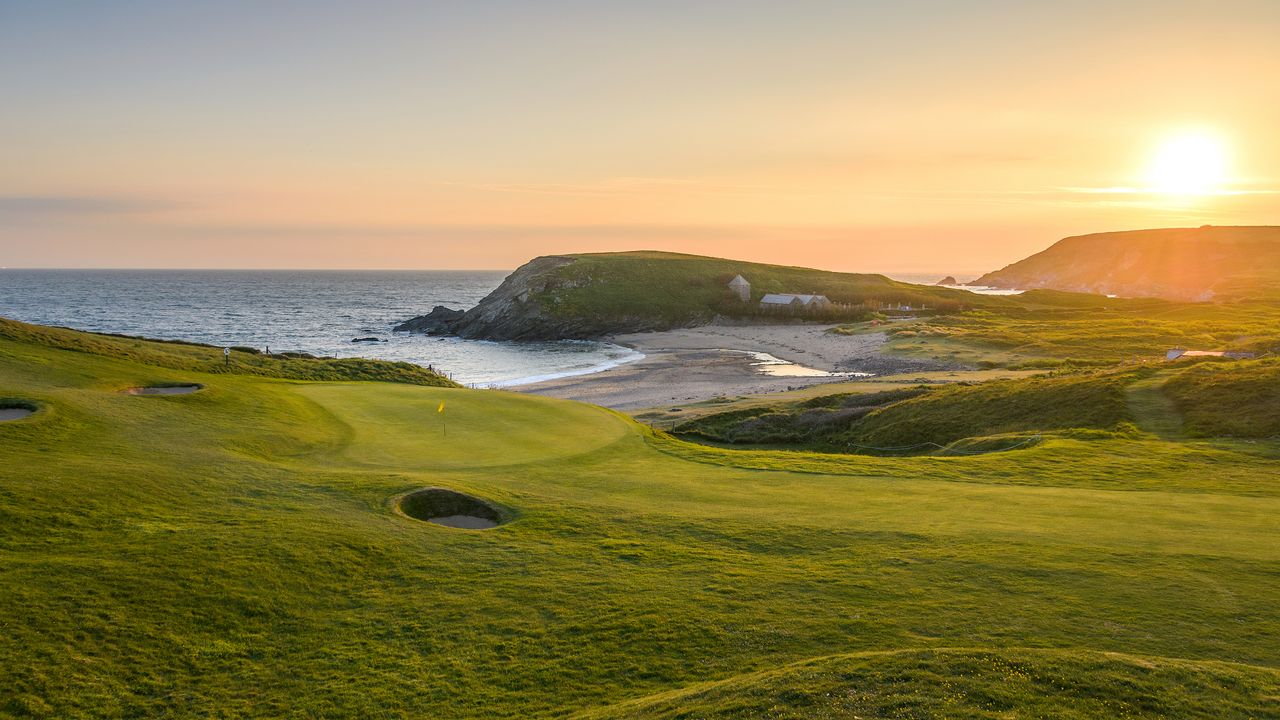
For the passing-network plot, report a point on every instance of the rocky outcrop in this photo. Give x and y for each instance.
(948, 280)
(1194, 264)
(440, 321)
(517, 310)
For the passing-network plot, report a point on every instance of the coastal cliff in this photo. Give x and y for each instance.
(574, 297)
(524, 307)
(1187, 264)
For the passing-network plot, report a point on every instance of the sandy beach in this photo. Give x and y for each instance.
(693, 364)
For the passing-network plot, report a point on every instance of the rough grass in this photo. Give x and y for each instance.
(209, 359)
(236, 553)
(1239, 399)
(964, 684)
(1004, 406)
(1059, 330)
(926, 419)
(678, 289)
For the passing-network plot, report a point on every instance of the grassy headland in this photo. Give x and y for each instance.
(584, 296)
(1208, 262)
(677, 287)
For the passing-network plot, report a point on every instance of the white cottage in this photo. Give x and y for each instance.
(792, 301)
(741, 288)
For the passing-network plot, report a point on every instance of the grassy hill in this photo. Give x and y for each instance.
(668, 285)
(1203, 263)
(582, 296)
(237, 553)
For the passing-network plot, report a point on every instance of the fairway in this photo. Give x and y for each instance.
(238, 552)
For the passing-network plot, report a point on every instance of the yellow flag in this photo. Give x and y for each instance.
(441, 408)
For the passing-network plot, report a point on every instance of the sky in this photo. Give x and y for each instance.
(911, 136)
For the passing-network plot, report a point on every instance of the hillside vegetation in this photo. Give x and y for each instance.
(927, 419)
(965, 684)
(584, 296)
(1177, 263)
(1060, 330)
(209, 359)
(1229, 399)
(237, 552)
(671, 286)
(1201, 399)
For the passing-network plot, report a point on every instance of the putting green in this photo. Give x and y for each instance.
(402, 426)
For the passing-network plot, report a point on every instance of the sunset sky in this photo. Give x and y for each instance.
(897, 137)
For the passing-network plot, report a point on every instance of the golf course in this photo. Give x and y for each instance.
(253, 546)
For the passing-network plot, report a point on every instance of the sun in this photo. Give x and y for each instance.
(1192, 163)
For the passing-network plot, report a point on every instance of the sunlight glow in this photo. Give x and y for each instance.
(1189, 164)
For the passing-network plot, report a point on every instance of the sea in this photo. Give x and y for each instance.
(314, 311)
(317, 312)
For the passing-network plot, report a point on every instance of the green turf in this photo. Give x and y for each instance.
(235, 553)
(1151, 409)
(971, 684)
(1046, 330)
(673, 289)
(205, 358)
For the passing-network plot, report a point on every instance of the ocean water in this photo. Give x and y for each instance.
(317, 312)
(934, 278)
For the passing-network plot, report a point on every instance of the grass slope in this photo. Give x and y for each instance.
(1178, 263)
(972, 685)
(1154, 411)
(234, 553)
(926, 419)
(209, 359)
(1231, 399)
(677, 288)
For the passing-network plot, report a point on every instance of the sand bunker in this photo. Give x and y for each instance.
(165, 390)
(15, 413)
(451, 509)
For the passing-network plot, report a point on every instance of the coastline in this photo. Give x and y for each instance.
(689, 365)
(520, 382)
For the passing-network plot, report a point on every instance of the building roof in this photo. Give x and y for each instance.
(789, 298)
(738, 280)
(1176, 353)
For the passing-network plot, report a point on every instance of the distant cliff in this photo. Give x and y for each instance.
(1195, 264)
(589, 296)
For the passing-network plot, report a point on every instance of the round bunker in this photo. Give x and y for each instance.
(186, 389)
(10, 410)
(451, 509)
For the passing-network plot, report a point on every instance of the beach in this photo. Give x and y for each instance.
(693, 364)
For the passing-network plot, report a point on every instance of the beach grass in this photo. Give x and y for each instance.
(235, 553)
